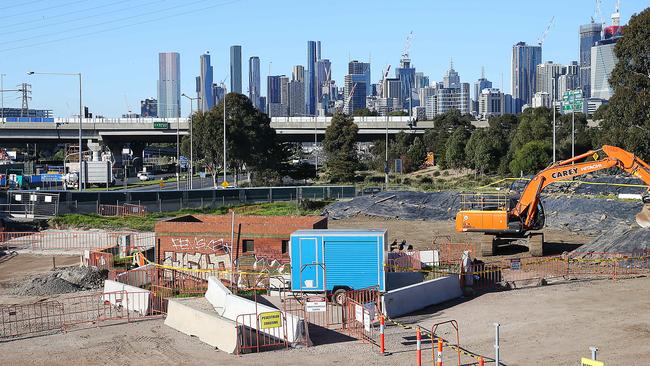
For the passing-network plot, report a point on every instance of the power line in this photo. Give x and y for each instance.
(57, 16)
(119, 27)
(103, 23)
(43, 9)
(20, 4)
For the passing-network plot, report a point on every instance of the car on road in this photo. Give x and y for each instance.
(145, 176)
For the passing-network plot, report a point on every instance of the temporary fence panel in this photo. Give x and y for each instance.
(72, 240)
(30, 319)
(259, 332)
(361, 313)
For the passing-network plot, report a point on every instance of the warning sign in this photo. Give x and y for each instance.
(271, 319)
(589, 362)
(316, 304)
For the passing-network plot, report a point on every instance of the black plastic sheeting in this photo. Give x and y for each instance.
(591, 216)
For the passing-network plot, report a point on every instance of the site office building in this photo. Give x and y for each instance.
(202, 241)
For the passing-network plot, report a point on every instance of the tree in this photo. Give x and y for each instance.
(364, 112)
(482, 151)
(417, 153)
(455, 148)
(531, 158)
(251, 142)
(435, 139)
(340, 147)
(398, 113)
(626, 121)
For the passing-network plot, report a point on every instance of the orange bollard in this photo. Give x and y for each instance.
(439, 352)
(418, 347)
(381, 334)
(481, 362)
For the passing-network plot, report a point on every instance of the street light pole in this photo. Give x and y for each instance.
(315, 145)
(386, 148)
(553, 106)
(2, 93)
(198, 100)
(225, 92)
(81, 116)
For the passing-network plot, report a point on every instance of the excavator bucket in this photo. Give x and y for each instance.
(643, 217)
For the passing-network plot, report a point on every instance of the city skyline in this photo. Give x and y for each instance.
(281, 49)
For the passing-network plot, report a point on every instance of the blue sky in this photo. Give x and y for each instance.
(115, 44)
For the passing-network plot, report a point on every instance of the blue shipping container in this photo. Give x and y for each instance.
(331, 259)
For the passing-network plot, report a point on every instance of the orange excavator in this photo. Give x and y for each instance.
(505, 219)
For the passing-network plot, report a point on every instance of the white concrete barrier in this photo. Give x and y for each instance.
(415, 297)
(230, 306)
(209, 327)
(137, 299)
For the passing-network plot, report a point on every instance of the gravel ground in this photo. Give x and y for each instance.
(549, 325)
(60, 281)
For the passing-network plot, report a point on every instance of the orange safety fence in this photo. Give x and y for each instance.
(121, 210)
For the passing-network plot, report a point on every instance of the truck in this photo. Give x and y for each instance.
(504, 219)
(337, 261)
(95, 172)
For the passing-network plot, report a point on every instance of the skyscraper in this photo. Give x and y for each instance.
(589, 35)
(298, 73)
(254, 81)
(324, 75)
(149, 108)
(205, 84)
(355, 93)
(235, 69)
(218, 92)
(313, 49)
(169, 88)
(603, 60)
(296, 98)
(525, 59)
(479, 85)
(361, 68)
(547, 79)
(451, 78)
(274, 95)
(406, 75)
(421, 81)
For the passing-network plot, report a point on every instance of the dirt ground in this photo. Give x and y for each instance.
(550, 325)
(421, 234)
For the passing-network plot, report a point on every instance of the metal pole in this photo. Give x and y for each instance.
(553, 105)
(315, 144)
(224, 132)
(386, 159)
(573, 131)
(81, 109)
(2, 93)
(192, 139)
(178, 155)
(594, 352)
(496, 344)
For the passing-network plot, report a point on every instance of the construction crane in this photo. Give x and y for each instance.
(597, 15)
(504, 219)
(407, 47)
(541, 39)
(349, 97)
(383, 80)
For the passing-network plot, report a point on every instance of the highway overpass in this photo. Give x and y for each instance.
(118, 130)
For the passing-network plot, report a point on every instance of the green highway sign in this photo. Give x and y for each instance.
(161, 125)
(572, 100)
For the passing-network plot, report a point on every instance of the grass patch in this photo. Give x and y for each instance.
(146, 223)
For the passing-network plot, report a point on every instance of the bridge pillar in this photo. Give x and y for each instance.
(116, 149)
(137, 148)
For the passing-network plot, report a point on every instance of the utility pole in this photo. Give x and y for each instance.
(553, 106)
(225, 92)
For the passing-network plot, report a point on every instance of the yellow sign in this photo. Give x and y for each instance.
(271, 319)
(225, 184)
(589, 362)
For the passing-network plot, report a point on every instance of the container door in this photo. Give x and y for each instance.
(311, 262)
(353, 262)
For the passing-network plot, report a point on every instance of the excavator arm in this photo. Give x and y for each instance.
(527, 207)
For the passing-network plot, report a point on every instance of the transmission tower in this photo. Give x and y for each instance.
(26, 94)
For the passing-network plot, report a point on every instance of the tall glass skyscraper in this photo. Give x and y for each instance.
(361, 68)
(406, 75)
(235, 69)
(525, 59)
(254, 80)
(205, 84)
(589, 35)
(169, 88)
(313, 51)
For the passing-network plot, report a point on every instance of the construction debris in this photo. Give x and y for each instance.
(60, 281)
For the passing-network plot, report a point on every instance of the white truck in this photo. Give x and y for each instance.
(98, 173)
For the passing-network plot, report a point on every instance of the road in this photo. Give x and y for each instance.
(197, 183)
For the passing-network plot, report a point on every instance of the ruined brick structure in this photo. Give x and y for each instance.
(204, 241)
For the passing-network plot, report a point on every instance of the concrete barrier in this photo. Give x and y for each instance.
(137, 299)
(206, 325)
(395, 280)
(415, 297)
(230, 306)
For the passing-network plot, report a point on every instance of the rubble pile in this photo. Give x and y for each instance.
(60, 281)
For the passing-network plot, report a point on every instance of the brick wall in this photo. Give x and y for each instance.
(201, 241)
